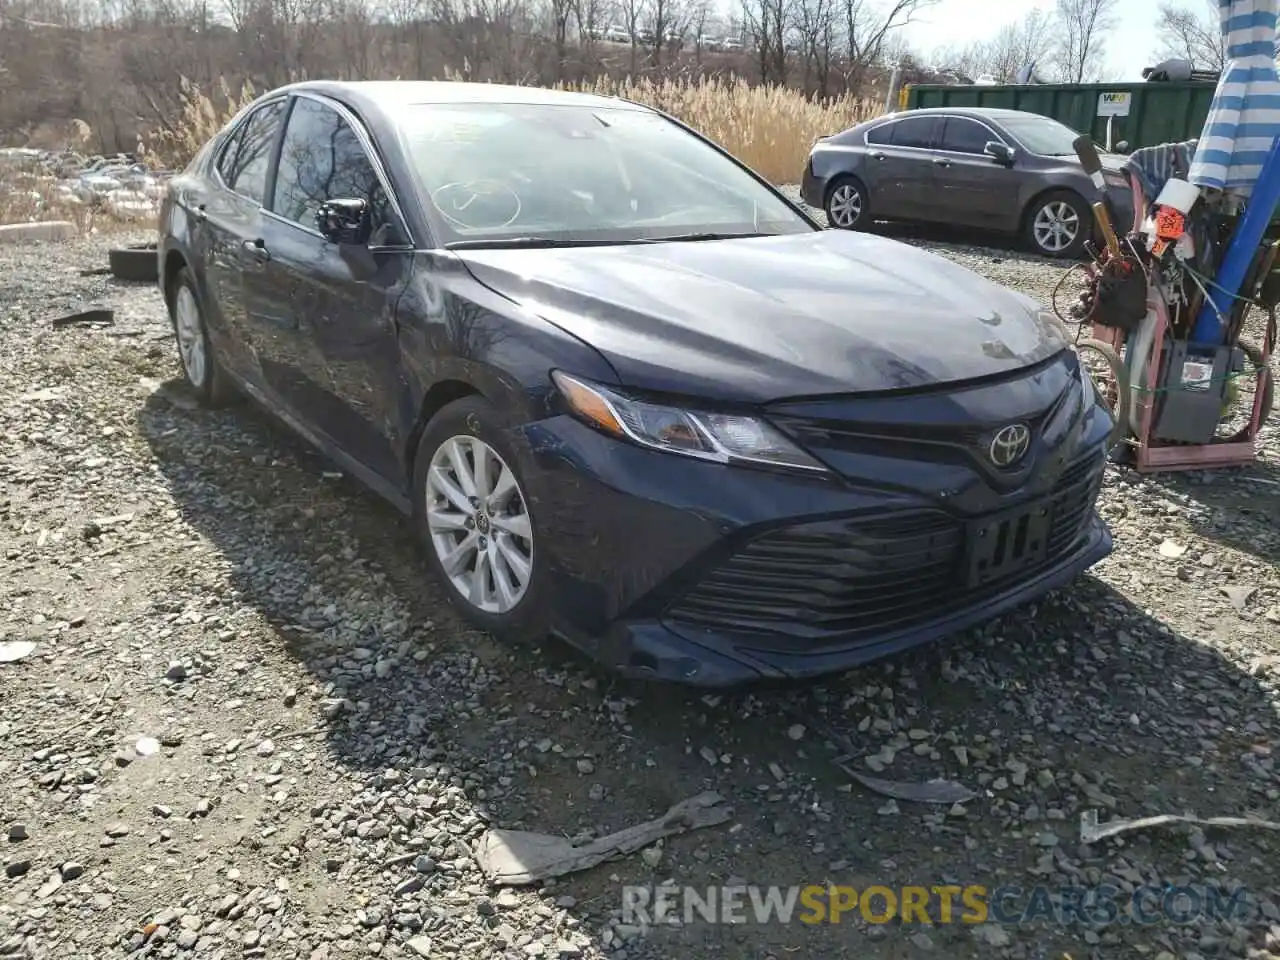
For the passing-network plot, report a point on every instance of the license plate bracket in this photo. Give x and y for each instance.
(1001, 545)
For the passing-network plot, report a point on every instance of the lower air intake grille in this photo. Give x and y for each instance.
(869, 577)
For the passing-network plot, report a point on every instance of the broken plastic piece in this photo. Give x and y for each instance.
(1091, 831)
(95, 315)
(518, 857)
(930, 791)
(14, 650)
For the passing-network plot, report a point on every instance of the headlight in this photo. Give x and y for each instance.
(719, 437)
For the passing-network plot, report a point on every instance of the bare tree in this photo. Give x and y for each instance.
(815, 24)
(634, 13)
(1082, 26)
(1192, 34)
(1016, 46)
(866, 28)
(768, 21)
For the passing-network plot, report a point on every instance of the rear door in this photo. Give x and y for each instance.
(899, 167)
(231, 213)
(336, 333)
(972, 187)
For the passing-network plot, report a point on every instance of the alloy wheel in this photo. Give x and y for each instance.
(479, 524)
(845, 206)
(190, 330)
(1056, 226)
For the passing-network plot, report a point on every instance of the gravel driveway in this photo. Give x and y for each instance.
(251, 726)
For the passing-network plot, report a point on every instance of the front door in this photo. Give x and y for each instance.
(973, 188)
(337, 301)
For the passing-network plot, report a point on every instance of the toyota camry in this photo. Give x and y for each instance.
(629, 394)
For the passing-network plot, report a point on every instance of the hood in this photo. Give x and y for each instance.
(769, 318)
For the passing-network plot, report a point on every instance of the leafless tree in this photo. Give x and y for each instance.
(1193, 33)
(1081, 27)
(815, 24)
(767, 21)
(1015, 47)
(867, 26)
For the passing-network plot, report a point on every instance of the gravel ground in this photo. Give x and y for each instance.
(253, 728)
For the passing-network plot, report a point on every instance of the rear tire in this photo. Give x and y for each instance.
(1057, 224)
(476, 525)
(212, 386)
(847, 205)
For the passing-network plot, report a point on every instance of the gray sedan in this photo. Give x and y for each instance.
(1003, 170)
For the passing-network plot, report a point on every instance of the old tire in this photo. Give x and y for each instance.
(475, 524)
(1057, 224)
(847, 205)
(135, 264)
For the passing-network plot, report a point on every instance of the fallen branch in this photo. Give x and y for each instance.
(1091, 831)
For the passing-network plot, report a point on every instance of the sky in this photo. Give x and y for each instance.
(1130, 47)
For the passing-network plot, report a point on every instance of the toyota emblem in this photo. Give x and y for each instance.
(1009, 445)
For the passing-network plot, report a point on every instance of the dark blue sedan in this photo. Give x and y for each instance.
(627, 392)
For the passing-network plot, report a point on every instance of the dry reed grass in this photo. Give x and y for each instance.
(769, 128)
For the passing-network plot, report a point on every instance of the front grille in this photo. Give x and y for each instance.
(864, 577)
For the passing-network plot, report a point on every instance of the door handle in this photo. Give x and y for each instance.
(877, 156)
(199, 213)
(942, 161)
(257, 250)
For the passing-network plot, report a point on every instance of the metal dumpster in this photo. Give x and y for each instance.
(1143, 114)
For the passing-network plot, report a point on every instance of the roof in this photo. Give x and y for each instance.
(993, 113)
(387, 95)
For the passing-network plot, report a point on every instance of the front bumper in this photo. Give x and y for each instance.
(633, 534)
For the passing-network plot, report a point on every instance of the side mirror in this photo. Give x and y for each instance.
(999, 152)
(344, 221)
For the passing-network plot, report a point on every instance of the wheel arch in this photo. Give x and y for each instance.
(174, 261)
(438, 396)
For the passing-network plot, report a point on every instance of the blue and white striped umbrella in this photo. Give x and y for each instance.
(1244, 118)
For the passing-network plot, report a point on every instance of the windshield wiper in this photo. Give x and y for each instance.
(511, 243)
(531, 243)
(691, 237)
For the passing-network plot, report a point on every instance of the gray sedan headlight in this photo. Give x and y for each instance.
(719, 437)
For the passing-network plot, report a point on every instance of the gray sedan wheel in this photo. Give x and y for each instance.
(1058, 224)
(847, 207)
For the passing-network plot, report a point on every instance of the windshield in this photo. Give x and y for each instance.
(565, 173)
(1049, 138)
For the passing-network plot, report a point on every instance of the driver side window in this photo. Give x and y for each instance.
(322, 159)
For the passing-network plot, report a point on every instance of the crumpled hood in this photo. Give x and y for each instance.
(768, 318)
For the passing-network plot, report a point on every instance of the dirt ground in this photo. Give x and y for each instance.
(252, 727)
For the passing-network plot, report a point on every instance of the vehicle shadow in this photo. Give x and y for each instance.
(1081, 702)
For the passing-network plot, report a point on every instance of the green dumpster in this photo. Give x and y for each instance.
(1142, 114)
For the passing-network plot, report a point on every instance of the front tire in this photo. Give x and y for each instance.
(1058, 224)
(212, 386)
(472, 515)
(847, 205)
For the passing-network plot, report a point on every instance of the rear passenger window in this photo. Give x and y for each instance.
(246, 159)
(881, 134)
(914, 132)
